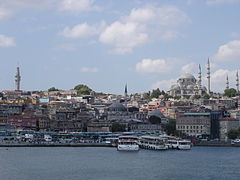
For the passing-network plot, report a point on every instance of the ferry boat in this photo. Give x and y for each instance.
(152, 143)
(177, 143)
(184, 145)
(128, 143)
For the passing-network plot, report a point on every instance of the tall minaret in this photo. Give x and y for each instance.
(227, 83)
(237, 82)
(17, 79)
(208, 76)
(200, 80)
(125, 91)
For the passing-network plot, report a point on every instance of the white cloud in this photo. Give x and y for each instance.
(6, 41)
(228, 52)
(89, 69)
(167, 15)
(79, 31)
(77, 6)
(133, 30)
(218, 79)
(124, 36)
(4, 13)
(190, 68)
(164, 84)
(153, 66)
(171, 35)
(211, 2)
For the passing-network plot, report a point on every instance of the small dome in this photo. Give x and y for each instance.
(155, 112)
(117, 107)
(187, 76)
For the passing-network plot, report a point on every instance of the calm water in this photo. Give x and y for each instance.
(107, 163)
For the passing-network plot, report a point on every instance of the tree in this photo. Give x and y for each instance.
(117, 127)
(82, 89)
(206, 96)
(170, 128)
(230, 92)
(155, 93)
(233, 134)
(52, 89)
(146, 96)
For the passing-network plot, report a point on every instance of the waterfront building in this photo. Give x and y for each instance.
(194, 124)
(227, 124)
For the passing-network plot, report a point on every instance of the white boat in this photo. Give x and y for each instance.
(153, 143)
(177, 143)
(184, 145)
(128, 143)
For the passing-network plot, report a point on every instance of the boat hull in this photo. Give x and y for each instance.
(122, 147)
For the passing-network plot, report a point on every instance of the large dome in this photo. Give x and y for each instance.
(117, 107)
(155, 112)
(187, 76)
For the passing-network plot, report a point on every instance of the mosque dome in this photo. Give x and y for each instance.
(156, 113)
(187, 76)
(117, 107)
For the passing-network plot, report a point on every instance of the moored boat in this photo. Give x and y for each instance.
(128, 143)
(152, 143)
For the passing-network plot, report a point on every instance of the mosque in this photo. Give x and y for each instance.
(187, 85)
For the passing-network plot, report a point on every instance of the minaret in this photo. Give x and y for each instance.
(200, 80)
(227, 83)
(17, 79)
(125, 91)
(208, 76)
(237, 82)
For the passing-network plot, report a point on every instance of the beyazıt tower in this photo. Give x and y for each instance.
(208, 76)
(17, 79)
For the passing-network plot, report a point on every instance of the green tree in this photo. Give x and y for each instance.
(53, 89)
(155, 93)
(146, 96)
(82, 89)
(170, 128)
(230, 92)
(117, 127)
(206, 96)
(233, 134)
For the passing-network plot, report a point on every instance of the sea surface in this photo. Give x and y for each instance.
(80, 163)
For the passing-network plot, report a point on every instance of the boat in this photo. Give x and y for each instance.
(153, 143)
(177, 143)
(184, 145)
(127, 143)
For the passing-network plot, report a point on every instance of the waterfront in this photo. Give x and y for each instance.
(63, 163)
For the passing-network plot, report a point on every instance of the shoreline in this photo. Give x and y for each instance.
(59, 145)
(104, 145)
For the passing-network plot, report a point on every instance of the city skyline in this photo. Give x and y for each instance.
(146, 44)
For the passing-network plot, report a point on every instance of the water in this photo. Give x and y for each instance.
(65, 163)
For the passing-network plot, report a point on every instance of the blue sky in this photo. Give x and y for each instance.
(107, 43)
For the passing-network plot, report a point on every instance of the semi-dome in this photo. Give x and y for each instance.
(117, 107)
(187, 76)
(156, 113)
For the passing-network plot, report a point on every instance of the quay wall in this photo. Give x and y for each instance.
(59, 145)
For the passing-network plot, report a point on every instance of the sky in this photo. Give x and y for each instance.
(106, 44)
